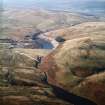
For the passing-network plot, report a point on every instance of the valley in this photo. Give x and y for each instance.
(51, 55)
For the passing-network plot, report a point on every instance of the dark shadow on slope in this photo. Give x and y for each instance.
(70, 97)
(67, 96)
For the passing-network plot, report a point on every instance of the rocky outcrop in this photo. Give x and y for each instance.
(73, 62)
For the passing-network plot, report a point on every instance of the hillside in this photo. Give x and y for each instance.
(82, 30)
(21, 83)
(18, 24)
(78, 65)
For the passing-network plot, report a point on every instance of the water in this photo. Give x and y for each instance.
(83, 6)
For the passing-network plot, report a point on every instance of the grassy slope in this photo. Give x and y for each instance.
(82, 30)
(33, 52)
(79, 64)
